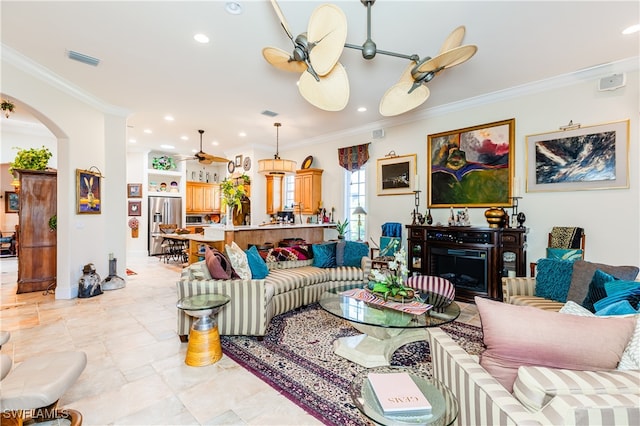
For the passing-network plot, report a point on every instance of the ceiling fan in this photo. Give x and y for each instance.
(203, 157)
(408, 93)
(323, 82)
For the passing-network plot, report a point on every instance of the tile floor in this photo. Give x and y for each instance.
(136, 373)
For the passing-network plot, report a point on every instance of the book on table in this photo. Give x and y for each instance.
(398, 394)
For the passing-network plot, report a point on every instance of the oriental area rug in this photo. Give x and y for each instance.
(296, 358)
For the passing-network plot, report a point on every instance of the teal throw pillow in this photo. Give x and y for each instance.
(553, 278)
(564, 254)
(622, 297)
(257, 265)
(596, 289)
(621, 307)
(354, 252)
(324, 255)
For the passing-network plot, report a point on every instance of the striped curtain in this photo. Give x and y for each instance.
(354, 157)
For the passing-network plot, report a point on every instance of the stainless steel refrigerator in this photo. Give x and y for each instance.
(162, 210)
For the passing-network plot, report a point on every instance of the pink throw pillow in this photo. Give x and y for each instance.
(526, 336)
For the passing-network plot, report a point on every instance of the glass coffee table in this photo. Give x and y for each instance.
(444, 406)
(383, 330)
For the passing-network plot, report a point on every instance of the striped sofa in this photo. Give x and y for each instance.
(289, 285)
(542, 396)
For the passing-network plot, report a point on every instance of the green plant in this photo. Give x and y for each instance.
(232, 193)
(53, 222)
(390, 282)
(30, 159)
(342, 227)
(163, 162)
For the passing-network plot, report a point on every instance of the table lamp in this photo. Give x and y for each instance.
(359, 211)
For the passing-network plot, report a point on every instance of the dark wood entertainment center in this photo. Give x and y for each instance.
(475, 259)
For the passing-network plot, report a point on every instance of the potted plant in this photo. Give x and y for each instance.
(31, 159)
(342, 228)
(389, 283)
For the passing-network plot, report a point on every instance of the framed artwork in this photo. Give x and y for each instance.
(11, 202)
(238, 161)
(135, 208)
(88, 192)
(134, 190)
(471, 167)
(581, 158)
(396, 175)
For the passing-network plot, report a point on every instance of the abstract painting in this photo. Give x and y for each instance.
(471, 167)
(592, 157)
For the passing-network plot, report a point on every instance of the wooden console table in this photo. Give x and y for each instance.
(475, 259)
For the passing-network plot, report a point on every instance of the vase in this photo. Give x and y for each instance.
(495, 217)
(229, 218)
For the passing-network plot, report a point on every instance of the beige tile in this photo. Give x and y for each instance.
(135, 373)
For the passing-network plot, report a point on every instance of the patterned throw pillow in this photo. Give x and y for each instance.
(596, 289)
(238, 260)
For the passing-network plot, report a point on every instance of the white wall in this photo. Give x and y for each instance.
(84, 132)
(610, 217)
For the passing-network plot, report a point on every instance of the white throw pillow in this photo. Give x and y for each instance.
(630, 359)
(239, 261)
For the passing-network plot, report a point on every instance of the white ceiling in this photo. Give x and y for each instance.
(151, 66)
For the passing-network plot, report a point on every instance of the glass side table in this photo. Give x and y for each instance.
(204, 339)
(443, 402)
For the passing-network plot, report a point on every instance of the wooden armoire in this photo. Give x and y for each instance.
(37, 251)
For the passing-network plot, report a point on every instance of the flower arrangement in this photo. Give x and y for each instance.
(163, 162)
(232, 193)
(134, 223)
(7, 106)
(31, 159)
(390, 282)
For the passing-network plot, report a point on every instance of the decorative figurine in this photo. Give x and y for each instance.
(89, 283)
(429, 217)
(521, 219)
(113, 281)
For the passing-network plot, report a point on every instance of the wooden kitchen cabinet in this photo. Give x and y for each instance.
(274, 193)
(308, 190)
(203, 197)
(37, 257)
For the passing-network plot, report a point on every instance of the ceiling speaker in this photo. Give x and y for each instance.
(612, 82)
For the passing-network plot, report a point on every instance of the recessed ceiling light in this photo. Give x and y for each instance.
(167, 146)
(148, 131)
(233, 7)
(184, 138)
(168, 118)
(201, 38)
(242, 134)
(362, 109)
(632, 29)
(194, 150)
(215, 143)
(132, 141)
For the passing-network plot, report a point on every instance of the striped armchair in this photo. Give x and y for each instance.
(542, 396)
(521, 291)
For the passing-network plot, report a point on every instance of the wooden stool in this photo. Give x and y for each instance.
(204, 339)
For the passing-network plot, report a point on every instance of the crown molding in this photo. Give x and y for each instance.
(36, 70)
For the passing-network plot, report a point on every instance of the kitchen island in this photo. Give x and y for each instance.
(217, 236)
(273, 233)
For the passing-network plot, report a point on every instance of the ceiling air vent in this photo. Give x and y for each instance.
(269, 113)
(86, 59)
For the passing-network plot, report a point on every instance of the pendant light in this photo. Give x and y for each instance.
(276, 166)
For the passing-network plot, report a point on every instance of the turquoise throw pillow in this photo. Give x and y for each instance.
(564, 254)
(257, 265)
(354, 252)
(596, 289)
(553, 279)
(324, 255)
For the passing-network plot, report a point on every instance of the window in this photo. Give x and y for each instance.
(356, 196)
(289, 191)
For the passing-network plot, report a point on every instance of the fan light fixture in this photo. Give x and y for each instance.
(323, 81)
(276, 165)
